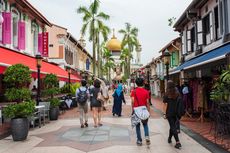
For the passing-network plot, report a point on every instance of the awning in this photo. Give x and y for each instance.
(211, 56)
(9, 57)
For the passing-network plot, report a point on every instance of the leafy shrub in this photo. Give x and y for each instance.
(74, 87)
(18, 94)
(65, 89)
(21, 110)
(51, 85)
(17, 75)
(17, 78)
(54, 102)
(220, 92)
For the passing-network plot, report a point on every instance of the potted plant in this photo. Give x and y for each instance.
(19, 114)
(54, 111)
(17, 78)
(51, 89)
(220, 92)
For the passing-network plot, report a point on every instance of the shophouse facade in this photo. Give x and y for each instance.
(22, 28)
(205, 29)
(65, 50)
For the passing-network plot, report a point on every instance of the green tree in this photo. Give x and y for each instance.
(130, 41)
(102, 30)
(108, 61)
(125, 55)
(92, 19)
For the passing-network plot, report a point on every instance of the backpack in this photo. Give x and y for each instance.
(180, 107)
(82, 97)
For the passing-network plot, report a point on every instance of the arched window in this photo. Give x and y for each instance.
(2, 8)
(15, 18)
(34, 31)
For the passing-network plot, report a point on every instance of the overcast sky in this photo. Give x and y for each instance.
(149, 16)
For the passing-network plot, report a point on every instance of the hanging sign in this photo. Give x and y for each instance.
(45, 52)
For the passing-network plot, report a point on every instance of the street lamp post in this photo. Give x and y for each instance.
(148, 79)
(166, 56)
(39, 64)
(69, 72)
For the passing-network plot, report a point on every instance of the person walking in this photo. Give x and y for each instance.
(118, 96)
(96, 104)
(82, 96)
(139, 97)
(173, 99)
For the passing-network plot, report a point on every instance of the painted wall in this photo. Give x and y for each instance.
(57, 38)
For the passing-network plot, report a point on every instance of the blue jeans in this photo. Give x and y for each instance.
(138, 131)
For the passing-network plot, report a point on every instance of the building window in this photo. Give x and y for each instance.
(217, 27)
(206, 30)
(34, 30)
(193, 39)
(15, 19)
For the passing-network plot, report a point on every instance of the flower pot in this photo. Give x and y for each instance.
(19, 128)
(54, 112)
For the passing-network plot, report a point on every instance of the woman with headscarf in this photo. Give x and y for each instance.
(118, 97)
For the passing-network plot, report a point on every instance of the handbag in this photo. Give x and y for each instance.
(141, 111)
(100, 97)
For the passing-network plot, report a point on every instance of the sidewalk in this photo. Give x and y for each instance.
(203, 129)
(115, 136)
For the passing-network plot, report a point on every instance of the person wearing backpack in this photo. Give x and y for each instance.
(82, 96)
(174, 111)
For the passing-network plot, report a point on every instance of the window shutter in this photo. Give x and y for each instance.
(21, 35)
(211, 25)
(184, 43)
(6, 34)
(176, 57)
(189, 41)
(171, 60)
(199, 33)
(40, 43)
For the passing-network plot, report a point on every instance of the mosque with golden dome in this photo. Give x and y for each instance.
(114, 45)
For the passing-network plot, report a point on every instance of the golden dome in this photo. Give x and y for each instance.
(114, 44)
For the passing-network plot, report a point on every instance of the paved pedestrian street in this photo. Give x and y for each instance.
(115, 136)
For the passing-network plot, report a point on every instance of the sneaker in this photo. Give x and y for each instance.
(147, 141)
(139, 143)
(178, 146)
(82, 126)
(86, 124)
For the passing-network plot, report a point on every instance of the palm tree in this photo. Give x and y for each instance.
(104, 31)
(125, 55)
(109, 61)
(130, 40)
(92, 19)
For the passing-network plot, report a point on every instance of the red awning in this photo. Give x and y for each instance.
(9, 57)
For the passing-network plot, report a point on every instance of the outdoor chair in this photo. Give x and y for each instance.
(45, 112)
(36, 116)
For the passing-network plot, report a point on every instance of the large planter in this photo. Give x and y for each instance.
(19, 128)
(54, 112)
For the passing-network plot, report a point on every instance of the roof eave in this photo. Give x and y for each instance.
(37, 13)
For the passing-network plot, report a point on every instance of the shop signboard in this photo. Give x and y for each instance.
(45, 51)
